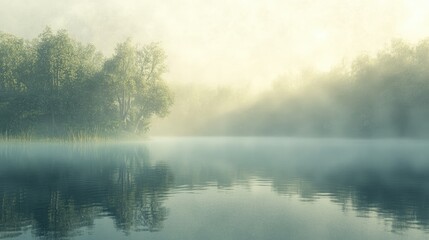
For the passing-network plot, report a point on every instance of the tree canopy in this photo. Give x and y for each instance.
(54, 84)
(385, 95)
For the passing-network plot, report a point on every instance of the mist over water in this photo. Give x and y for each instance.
(245, 188)
(214, 119)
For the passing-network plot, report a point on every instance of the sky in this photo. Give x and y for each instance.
(229, 42)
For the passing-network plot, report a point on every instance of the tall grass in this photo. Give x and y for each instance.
(84, 136)
(71, 136)
(21, 137)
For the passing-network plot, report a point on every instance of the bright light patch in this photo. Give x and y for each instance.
(320, 35)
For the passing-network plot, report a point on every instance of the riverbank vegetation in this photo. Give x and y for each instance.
(55, 86)
(381, 95)
(386, 95)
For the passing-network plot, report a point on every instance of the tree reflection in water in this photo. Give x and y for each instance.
(386, 178)
(56, 195)
(57, 192)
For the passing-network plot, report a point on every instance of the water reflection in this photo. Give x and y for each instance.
(388, 178)
(58, 191)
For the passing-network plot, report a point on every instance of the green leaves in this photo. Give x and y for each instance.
(56, 84)
(12, 57)
(135, 76)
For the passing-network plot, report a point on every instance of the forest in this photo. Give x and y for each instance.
(54, 85)
(384, 95)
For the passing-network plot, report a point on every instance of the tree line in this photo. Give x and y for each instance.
(54, 84)
(381, 95)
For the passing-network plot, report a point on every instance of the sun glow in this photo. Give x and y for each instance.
(231, 42)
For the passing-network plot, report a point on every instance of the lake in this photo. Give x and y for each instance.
(216, 188)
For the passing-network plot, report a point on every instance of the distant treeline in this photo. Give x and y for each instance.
(53, 85)
(386, 95)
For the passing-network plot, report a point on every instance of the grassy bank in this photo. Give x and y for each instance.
(69, 137)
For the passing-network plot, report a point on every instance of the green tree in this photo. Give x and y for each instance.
(135, 76)
(54, 84)
(68, 84)
(56, 70)
(16, 64)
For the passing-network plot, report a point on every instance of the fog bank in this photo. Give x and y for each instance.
(384, 95)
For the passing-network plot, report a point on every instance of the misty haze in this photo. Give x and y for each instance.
(214, 119)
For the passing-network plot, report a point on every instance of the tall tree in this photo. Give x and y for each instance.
(16, 59)
(135, 75)
(56, 70)
(54, 84)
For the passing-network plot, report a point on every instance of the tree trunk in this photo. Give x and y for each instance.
(136, 129)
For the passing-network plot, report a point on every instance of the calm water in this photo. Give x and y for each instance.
(216, 188)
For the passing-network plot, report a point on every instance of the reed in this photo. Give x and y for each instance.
(93, 135)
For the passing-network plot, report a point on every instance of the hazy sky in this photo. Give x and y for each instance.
(229, 41)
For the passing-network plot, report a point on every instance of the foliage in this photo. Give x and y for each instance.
(54, 84)
(386, 95)
(135, 76)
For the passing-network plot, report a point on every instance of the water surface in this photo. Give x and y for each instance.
(216, 188)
